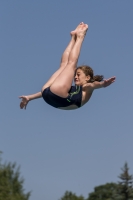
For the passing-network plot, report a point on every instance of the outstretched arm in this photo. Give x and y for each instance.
(104, 83)
(26, 99)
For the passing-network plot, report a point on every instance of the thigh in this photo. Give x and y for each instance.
(63, 82)
(54, 76)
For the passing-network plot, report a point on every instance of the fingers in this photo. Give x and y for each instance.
(109, 81)
(21, 105)
(112, 79)
(23, 102)
(21, 97)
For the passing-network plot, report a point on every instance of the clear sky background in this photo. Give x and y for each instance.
(66, 150)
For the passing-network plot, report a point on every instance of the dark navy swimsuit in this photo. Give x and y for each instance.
(74, 97)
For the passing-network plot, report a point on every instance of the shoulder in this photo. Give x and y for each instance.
(88, 86)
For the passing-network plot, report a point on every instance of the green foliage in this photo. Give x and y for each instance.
(125, 185)
(112, 191)
(123, 190)
(103, 192)
(11, 185)
(71, 196)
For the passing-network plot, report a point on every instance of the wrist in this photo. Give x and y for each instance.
(30, 97)
(102, 84)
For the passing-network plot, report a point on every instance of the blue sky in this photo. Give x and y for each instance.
(66, 150)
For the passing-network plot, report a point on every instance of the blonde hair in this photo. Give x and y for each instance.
(89, 71)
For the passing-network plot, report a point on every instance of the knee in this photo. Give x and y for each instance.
(43, 88)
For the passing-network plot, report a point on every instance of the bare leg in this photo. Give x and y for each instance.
(64, 59)
(63, 82)
(65, 56)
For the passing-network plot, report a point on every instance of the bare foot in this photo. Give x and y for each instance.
(81, 32)
(73, 33)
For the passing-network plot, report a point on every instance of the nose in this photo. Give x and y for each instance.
(75, 78)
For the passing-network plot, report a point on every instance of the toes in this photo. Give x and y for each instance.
(87, 26)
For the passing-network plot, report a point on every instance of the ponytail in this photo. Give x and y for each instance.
(97, 78)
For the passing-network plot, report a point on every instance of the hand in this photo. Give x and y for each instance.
(24, 102)
(109, 81)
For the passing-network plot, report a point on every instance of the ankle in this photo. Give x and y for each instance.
(80, 36)
(73, 37)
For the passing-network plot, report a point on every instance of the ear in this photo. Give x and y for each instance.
(88, 78)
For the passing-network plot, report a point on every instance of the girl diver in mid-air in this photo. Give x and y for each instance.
(58, 91)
